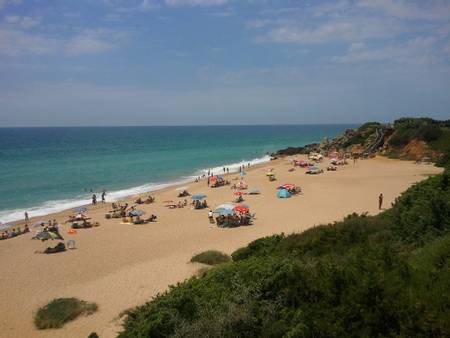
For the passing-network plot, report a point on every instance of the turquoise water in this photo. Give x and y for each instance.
(45, 170)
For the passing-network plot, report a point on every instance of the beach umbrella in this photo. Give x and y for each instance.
(38, 224)
(283, 193)
(240, 193)
(224, 212)
(79, 210)
(198, 197)
(136, 212)
(4, 226)
(287, 186)
(228, 206)
(254, 191)
(241, 208)
(270, 174)
(243, 174)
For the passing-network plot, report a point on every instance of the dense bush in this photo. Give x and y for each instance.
(423, 213)
(60, 311)
(408, 129)
(211, 257)
(381, 276)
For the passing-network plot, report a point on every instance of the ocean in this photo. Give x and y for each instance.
(46, 170)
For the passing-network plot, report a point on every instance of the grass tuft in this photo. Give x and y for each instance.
(211, 257)
(60, 311)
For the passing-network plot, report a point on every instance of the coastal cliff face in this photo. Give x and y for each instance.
(406, 138)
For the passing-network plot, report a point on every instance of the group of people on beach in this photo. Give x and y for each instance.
(233, 220)
(150, 199)
(200, 204)
(14, 232)
(50, 226)
(94, 198)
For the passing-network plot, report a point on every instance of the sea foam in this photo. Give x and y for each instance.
(51, 207)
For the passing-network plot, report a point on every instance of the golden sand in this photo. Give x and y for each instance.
(120, 266)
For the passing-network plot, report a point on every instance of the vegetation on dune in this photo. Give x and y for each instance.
(423, 129)
(362, 134)
(211, 257)
(381, 276)
(60, 311)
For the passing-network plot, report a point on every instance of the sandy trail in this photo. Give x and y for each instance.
(120, 266)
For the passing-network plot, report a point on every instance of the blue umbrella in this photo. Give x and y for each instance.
(225, 212)
(283, 193)
(198, 197)
(80, 209)
(243, 174)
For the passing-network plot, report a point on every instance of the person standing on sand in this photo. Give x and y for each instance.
(27, 218)
(210, 216)
(94, 199)
(380, 201)
(103, 196)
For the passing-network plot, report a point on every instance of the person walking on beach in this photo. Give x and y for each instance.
(211, 217)
(103, 196)
(27, 218)
(94, 199)
(380, 201)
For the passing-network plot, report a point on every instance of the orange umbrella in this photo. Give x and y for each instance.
(241, 208)
(240, 193)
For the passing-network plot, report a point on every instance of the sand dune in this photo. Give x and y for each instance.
(120, 266)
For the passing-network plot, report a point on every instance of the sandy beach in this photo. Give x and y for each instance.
(120, 266)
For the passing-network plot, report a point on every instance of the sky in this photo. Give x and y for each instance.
(203, 62)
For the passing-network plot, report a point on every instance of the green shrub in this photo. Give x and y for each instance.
(60, 311)
(408, 129)
(211, 257)
(367, 276)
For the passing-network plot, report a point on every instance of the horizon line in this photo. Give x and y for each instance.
(187, 125)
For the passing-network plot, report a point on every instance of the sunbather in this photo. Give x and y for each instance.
(60, 247)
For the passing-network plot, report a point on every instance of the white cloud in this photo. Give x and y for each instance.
(90, 42)
(194, 3)
(4, 3)
(408, 9)
(345, 29)
(147, 5)
(22, 21)
(420, 50)
(15, 42)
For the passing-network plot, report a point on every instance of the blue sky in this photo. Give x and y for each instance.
(164, 62)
